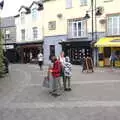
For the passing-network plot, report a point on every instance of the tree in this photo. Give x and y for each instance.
(1, 55)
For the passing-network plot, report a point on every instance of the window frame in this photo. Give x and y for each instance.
(23, 34)
(82, 30)
(22, 17)
(83, 2)
(69, 4)
(34, 14)
(113, 26)
(35, 32)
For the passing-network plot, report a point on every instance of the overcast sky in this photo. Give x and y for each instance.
(11, 7)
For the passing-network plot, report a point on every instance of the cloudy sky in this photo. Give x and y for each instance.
(11, 7)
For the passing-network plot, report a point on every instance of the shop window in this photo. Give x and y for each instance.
(107, 52)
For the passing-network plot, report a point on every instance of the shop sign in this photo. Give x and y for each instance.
(8, 46)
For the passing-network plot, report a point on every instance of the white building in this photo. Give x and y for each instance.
(29, 31)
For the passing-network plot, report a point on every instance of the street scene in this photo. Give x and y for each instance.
(94, 96)
(59, 60)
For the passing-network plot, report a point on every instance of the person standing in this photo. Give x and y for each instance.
(67, 74)
(62, 60)
(113, 58)
(56, 76)
(40, 60)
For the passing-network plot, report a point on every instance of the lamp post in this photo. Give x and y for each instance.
(95, 11)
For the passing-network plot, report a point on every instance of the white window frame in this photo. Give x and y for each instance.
(68, 4)
(22, 17)
(23, 34)
(83, 2)
(113, 28)
(34, 14)
(72, 31)
(35, 32)
(7, 34)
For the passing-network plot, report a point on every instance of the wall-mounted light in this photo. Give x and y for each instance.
(59, 15)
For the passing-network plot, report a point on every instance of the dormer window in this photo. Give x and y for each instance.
(22, 17)
(34, 13)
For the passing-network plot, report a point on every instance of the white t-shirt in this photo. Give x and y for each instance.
(62, 60)
(40, 57)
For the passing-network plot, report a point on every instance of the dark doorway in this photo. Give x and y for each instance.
(52, 51)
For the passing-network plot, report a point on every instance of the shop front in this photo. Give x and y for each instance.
(27, 52)
(76, 50)
(10, 52)
(106, 47)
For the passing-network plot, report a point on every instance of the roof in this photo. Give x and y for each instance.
(39, 3)
(26, 8)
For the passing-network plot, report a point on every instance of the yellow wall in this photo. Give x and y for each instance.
(54, 7)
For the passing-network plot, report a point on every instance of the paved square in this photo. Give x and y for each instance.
(94, 96)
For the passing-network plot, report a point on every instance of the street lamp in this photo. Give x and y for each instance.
(98, 11)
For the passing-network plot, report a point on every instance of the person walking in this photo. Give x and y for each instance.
(67, 74)
(40, 60)
(56, 76)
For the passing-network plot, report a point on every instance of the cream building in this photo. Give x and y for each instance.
(64, 23)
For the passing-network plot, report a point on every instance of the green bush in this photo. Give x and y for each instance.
(1, 55)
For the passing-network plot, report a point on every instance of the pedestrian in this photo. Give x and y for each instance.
(67, 74)
(40, 60)
(56, 76)
(62, 60)
(112, 59)
(31, 56)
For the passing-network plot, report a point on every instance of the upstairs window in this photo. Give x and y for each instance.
(68, 3)
(35, 32)
(22, 17)
(7, 34)
(113, 25)
(77, 29)
(23, 34)
(34, 13)
(52, 25)
(83, 2)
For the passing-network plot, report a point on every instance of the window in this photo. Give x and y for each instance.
(52, 25)
(7, 34)
(113, 25)
(35, 32)
(83, 2)
(68, 3)
(105, 1)
(77, 29)
(34, 13)
(22, 17)
(23, 34)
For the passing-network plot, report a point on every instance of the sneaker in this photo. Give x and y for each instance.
(52, 91)
(55, 94)
(65, 89)
(69, 89)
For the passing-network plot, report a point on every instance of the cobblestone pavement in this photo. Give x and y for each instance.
(94, 96)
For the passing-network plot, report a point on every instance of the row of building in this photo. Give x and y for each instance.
(55, 25)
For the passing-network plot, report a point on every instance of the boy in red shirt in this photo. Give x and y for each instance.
(56, 72)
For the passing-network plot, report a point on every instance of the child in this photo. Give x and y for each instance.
(67, 74)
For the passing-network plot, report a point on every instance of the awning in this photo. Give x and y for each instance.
(108, 42)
